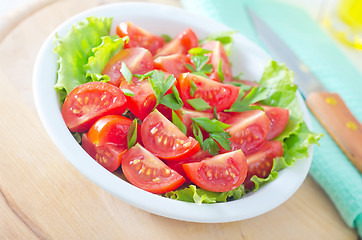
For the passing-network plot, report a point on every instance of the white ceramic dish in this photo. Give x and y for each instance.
(160, 19)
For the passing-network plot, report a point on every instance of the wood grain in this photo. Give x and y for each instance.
(337, 119)
(42, 196)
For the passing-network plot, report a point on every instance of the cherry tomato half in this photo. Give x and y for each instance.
(278, 120)
(146, 171)
(138, 60)
(218, 54)
(89, 102)
(221, 173)
(174, 64)
(182, 43)
(260, 162)
(248, 130)
(107, 155)
(165, 140)
(139, 37)
(220, 95)
(110, 129)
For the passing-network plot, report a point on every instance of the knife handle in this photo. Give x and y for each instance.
(339, 122)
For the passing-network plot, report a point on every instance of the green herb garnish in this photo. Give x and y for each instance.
(132, 134)
(198, 104)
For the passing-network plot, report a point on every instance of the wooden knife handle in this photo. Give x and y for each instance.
(340, 123)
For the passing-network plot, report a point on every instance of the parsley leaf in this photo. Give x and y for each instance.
(132, 134)
(127, 92)
(193, 88)
(219, 72)
(244, 104)
(126, 73)
(173, 100)
(178, 123)
(200, 61)
(198, 104)
(217, 134)
(160, 85)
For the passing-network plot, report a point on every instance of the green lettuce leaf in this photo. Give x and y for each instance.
(75, 48)
(101, 54)
(199, 196)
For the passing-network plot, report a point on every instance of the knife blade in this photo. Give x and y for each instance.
(329, 108)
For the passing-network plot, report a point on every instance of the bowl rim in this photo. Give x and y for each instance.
(206, 213)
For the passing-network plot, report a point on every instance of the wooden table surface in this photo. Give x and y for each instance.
(44, 197)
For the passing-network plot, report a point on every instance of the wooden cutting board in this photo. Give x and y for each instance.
(44, 197)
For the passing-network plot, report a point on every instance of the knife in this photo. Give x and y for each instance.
(329, 108)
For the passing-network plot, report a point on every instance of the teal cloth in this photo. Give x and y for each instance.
(330, 167)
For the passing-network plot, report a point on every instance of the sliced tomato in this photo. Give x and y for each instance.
(138, 60)
(90, 101)
(165, 140)
(144, 99)
(221, 173)
(107, 155)
(182, 43)
(186, 114)
(220, 95)
(110, 129)
(218, 55)
(177, 165)
(248, 130)
(278, 120)
(174, 64)
(260, 162)
(139, 37)
(146, 171)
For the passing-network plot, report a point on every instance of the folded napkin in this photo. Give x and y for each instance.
(330, 167)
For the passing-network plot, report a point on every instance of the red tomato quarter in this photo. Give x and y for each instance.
(146, 171)
(248, 130)
(107, 155)
(221, 173)
(260, 163)
(139, 37)
(218, 54)
(174, 64)
(220, 95)
(89, 102)
(110, 129)
(165, 140)
(138, 60)
(278, 120)
(182, 43)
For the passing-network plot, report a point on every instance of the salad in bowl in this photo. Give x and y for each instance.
(171, 115)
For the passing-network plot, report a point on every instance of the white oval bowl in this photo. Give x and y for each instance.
(162, 19)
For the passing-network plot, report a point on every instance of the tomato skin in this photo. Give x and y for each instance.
(139, 37)
(165, 140)
(177, 165)
(260, 162)
(182, 43)
(174, 64)
(278, 120)
(107, 155)
(218, 54)
(220, 173)
(146, 171)
(186, 114)
(220, 95)
(144, 100)
(110, 129)
(90, 101)
(248, 130)
(138, 60)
